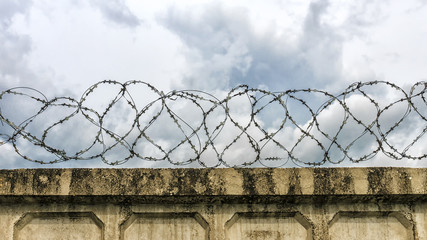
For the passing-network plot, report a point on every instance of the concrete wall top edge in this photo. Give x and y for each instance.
(214, 182)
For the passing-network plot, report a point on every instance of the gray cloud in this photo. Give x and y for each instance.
(9, 8)
(118, 12)
(225, 51)
(14, 49)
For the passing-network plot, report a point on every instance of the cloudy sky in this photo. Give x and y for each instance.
(63, 47)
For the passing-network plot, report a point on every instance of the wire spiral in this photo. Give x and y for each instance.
(190, 126)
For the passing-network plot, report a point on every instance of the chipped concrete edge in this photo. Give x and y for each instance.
(221, 184)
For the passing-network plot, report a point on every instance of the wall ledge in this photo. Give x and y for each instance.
(223, 185)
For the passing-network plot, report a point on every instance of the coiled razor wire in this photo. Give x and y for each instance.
(202, 136)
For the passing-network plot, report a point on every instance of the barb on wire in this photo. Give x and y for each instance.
(245, 127)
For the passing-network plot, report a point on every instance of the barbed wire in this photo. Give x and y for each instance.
(203, 138)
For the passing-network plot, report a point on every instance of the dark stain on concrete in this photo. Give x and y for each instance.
(379, 181)
(294, 183)
(257, 181)
(136, 179)
(17, 178)
(185, 180)
(248, 182)
(82, 181)
(270, 181)
(404, 183)
(332, 181)
(263, 234)
(46, 180)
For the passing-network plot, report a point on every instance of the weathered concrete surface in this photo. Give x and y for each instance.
(305, 203)
(303, 183)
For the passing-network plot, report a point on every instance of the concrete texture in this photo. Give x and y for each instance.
(305, 203)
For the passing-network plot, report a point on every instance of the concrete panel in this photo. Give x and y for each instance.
(265, 226)
(58, 225)
(420, 220)
(173, 226)
(371, 226)
(215, 204)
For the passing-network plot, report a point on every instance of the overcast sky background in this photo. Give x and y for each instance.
(63, 47)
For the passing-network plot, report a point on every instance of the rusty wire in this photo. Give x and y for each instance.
(202, 137)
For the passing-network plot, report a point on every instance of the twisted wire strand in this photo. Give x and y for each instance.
(200, 137)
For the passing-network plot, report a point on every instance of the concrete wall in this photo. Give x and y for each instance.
(258, 204)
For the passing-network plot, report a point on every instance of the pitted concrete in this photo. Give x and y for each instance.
(214, 182)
